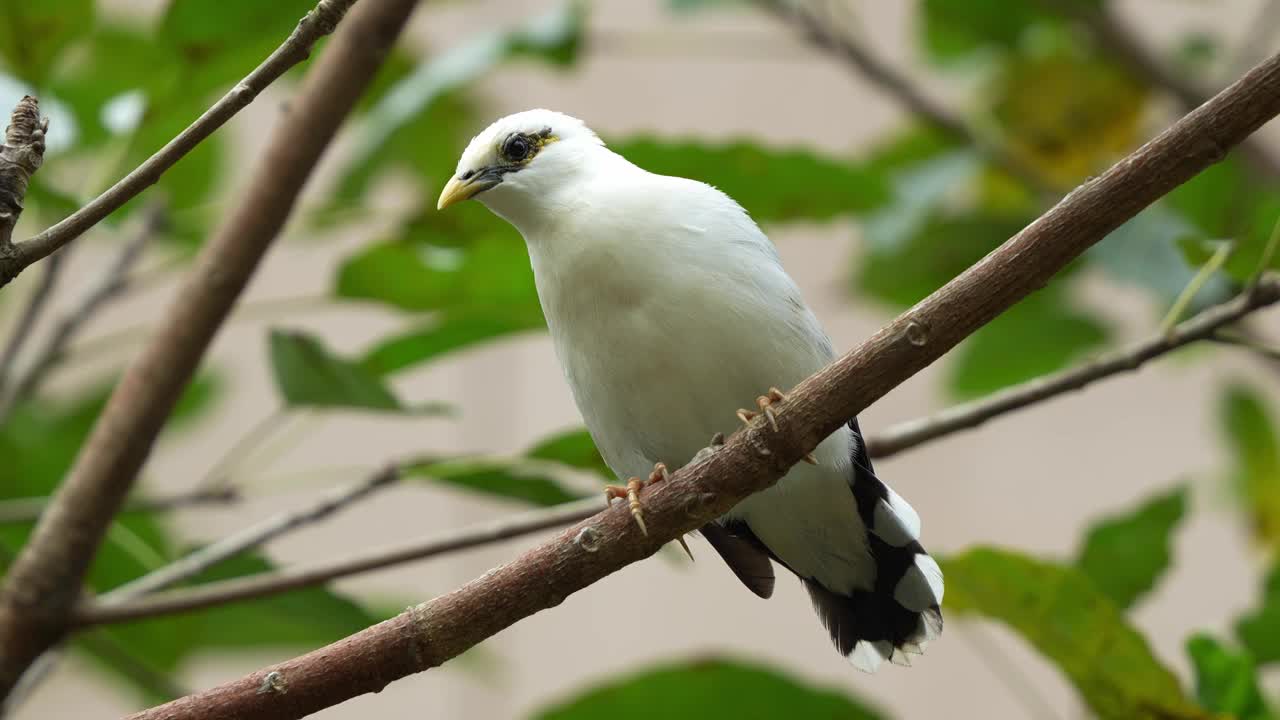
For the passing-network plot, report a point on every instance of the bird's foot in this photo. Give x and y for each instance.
(631, 491)
(766, 403)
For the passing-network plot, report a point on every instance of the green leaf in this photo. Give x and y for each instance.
(308, 375)
(34, 34)
(513, 480)
(1251, 436)
(709, 688)
(901, 269)
(574, 448)
(773, 185)
(1226, 681)
(1227, 201)
(424, 103)
(1039, 335)
(453, 331)
(1259, 631)
(1073, 624)
(1126, 554)
(1146, 252)
(955, 29)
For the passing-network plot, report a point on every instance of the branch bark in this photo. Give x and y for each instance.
(20, 156)
(44, 584)
(297, 47)
(429, 634)
(898, 438)
(1204, 326)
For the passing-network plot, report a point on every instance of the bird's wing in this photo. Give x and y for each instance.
(745, 555)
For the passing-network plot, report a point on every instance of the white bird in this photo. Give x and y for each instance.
(668, 307)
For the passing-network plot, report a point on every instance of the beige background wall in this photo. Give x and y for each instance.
(1030, 481)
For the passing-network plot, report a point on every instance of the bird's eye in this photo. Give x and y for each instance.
(517, 148)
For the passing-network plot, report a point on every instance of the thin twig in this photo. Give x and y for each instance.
(251, 537)
(1196, 284)
(40, 591)
(834, 38)
(1120, 41)
(897, 439)
(427, 635)
(31, 312)
(297, 47)
(111, 284)
(1229, 338)
(20, 510)
(970, 415)
(294, 578)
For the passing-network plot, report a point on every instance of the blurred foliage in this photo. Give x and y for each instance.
(724, 688)
(1126, 554)
(927, 208)
(1072, 622)
(1254, 440)
(1226, 681)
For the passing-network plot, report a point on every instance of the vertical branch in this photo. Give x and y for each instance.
(44, 583)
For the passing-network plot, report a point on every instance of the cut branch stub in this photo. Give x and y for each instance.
(20, 156)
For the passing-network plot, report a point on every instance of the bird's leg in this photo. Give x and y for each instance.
(632, 493)
(765, 403)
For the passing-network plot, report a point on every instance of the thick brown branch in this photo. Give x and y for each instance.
(43, 586)
(21, 155)
(319, 22)
(429, 634)
(970, 415)
(1120, 41)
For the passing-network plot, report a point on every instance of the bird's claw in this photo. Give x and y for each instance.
(632, 493)
(765, 403)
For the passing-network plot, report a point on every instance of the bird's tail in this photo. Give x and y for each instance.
(900, 614)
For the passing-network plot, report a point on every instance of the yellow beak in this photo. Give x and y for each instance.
(457, 190)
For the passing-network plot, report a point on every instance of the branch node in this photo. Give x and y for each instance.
(273, 683)
(916, 333)
(588, 539)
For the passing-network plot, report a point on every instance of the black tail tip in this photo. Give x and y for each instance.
(868, 628)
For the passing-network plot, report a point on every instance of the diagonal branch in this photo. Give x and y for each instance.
(294, 578)
(896, 439)
(252, 537)
(297, 47)
(429, 634)
(904, 436)
(1116, 38)
(43, 585)
(112, 283)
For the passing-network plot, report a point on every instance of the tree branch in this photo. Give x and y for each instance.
(297, 47)
(21, 155)
(1120, 41)
(113, 282)
(29, 509)
(429, 634)
(27, 319)
(294, 578)
(273, 527)
(901, 437)
(43, 586)
(826, 34)
(1204, 326)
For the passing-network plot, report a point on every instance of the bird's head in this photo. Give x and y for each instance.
(521, 161)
